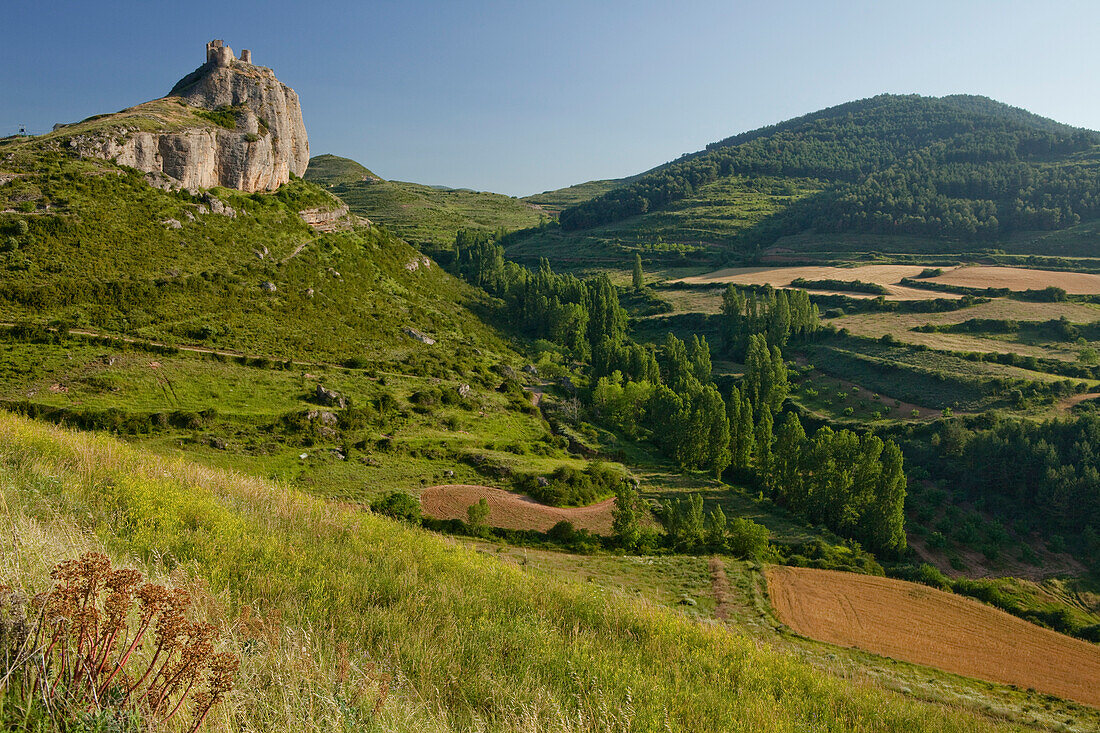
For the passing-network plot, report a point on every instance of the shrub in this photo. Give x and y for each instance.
(399, 505)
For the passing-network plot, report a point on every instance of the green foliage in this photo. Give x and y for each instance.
(855, 485)
(638, 277)
(569, 486)
(224, 116)
(855, 286)
(477, 515)
(894, 164)
(422, 215)
(399, 505)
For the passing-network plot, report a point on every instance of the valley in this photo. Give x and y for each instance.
(796, 432)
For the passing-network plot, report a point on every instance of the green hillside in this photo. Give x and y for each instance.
(422, 215)
(960, 172)
(329, 170)
(556, 200)
(354, 622)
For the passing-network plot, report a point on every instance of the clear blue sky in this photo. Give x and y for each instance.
(521, 97)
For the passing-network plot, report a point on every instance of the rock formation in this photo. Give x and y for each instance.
(267, 143)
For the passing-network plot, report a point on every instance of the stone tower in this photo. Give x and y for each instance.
(246, 56)
(218, 54)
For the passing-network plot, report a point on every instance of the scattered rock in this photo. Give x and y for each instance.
(172, 224)
(217, 206)
(326, 220)
(106, 359)
(448, 474)
(216, 443)
(567, 384)
(332, 271)
(189, 215)
(58, 388)
(464, 390)
(421, 337)
(687, 601)
(202, 210)
(303, 456)
(269, 286)
(531, 369)
(417, 262)
(329, 397)
(262, 252)
(543, 481)
(323, 417)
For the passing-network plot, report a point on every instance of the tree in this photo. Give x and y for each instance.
(639, 274)
(716, 529)
(698, 354)
(717, 428)
(399, 505)
(477, 514)
(746, 538)
(675, 368)
(625, 525)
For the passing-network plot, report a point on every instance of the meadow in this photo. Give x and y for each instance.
(543, 653)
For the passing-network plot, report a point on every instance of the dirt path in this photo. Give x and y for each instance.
(720, 586)
(512, 511)
(918, 624)
(1067, 404)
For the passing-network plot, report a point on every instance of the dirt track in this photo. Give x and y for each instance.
(919, 624)
(512, 511)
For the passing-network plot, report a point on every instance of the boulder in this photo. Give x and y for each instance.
(329, 397)
(417, 335)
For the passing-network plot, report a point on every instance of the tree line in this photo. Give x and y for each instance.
(668, 396)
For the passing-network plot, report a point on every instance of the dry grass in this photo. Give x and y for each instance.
(918, 624)
(900, 325)
(513, 511)
(971, 276)
(1018, 278)
(780, 277)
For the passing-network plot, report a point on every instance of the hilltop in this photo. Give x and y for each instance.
(958, 172)
(426, 216)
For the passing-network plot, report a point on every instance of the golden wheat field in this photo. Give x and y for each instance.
(923, 625)
(890, 276)
(512, 511)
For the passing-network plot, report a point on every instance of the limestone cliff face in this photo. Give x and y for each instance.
(268, 143)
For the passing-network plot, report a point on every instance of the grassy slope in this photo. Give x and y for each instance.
(422, 215)
(561, 198)
(473, 644)
(91, 263)
(687, 231)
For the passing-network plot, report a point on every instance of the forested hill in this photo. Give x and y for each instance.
(960, 166)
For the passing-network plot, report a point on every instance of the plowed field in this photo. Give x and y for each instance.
(919, 624)
(512, 511)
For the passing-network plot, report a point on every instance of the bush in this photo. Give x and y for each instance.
(399, 505)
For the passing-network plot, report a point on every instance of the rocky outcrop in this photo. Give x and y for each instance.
(255, 141)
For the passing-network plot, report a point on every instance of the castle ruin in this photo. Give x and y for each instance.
(219, 54)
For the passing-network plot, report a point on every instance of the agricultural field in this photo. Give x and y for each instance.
(926, 626)
(508, 510)
(902, 325)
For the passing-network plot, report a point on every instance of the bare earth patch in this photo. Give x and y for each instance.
(923, 625)
(508, 510)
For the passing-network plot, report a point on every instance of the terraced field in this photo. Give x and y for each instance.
(919, 624)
